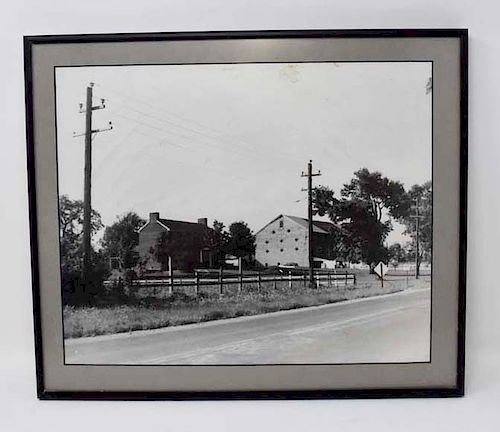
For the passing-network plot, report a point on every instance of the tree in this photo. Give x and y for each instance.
(324, 202)
(365, 202)
(421, 194)
(216, 241)
(397, 254)
(382, 194)
(121, 238)
(241, 241)
(71, 247)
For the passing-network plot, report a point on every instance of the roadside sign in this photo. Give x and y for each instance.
(381, 269)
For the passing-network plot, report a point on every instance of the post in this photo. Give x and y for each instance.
(305, 279)
(197, 283)
(221, 282)
(329, 279)
(346, 277)
(417, 218)
(310, 223)
(381, 276)
(259, 281)
(170, 276)
(240, 272)
(87, 206)
(289, 279)
(87, 186)
(309, 176)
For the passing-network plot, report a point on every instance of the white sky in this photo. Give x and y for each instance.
(229, 142)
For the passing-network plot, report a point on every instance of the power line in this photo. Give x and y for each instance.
(220, 139)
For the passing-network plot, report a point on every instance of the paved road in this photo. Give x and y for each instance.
(391, 328)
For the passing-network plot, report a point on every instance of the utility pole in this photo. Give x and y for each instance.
(417, 217)
(87, 205)
(309, 176)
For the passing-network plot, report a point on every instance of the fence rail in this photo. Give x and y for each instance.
(209, 279)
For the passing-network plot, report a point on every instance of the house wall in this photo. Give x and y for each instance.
(281, 245)
(148, 237)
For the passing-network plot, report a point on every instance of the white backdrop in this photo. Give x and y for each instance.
(19, 408)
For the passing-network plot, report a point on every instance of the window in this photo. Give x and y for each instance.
(267, 241)
(279, 263)
(281, 250)
(265, 264)
(273, 232)
(287, 230)
(281, 241)
(296, 249)
(281, 224)
(296, 239)
(267, 250)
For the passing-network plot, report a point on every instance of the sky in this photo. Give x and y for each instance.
(229, 141)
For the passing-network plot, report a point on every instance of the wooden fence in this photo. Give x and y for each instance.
(219, 278)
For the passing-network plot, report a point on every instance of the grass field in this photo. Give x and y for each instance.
(181, 308)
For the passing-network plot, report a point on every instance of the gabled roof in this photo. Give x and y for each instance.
(321, 227)
(177, 226)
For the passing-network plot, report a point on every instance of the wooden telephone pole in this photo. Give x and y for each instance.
(309, 176)
(417, 217)
(87, 205)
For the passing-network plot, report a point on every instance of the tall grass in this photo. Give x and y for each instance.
(181, 308)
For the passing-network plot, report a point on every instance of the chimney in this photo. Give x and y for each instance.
(203, 221)
(153, 217)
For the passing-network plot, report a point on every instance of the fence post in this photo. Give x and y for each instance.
(240, 272)
(275, 286)
(290, 279)
(354, 278)
(346, 277)
(170, 276)
(221, 284)
(259, 281)
(197, 283)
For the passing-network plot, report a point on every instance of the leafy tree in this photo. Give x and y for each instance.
(365, 202)
(324, 202)
(216, 241)
(121, 238)
(241, 241)
(71, 247)
(379, 192)
(421, 194)
(397, 254)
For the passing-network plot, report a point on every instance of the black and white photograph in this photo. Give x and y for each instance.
(245, 214)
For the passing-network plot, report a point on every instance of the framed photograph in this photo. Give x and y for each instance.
(257, 214)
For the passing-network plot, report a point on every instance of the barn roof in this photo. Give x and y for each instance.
(321, 227)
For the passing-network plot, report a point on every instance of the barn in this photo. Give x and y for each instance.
(187, 243)
(285, 240)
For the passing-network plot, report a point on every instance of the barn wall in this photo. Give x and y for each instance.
(277, 245)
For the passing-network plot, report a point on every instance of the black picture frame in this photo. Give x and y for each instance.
(43, 393)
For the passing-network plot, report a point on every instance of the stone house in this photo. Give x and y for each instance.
(187, 243)
(285, 240)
